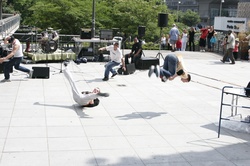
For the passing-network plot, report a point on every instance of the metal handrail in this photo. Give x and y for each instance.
(9, 25)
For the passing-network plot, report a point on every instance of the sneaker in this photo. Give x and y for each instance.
(5, 80)
(103, 94)
(222, 61)
(151, 70)
(203, 50)
(65, 63)
(114, 75)
(30, 73)
(105, 79)
(157, 71)
(164, 79)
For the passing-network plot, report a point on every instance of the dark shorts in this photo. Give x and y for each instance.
(202, 42)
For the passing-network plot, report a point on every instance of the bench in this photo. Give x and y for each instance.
(236, 93)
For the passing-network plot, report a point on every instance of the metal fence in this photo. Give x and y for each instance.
(9, 25)
(34, 40)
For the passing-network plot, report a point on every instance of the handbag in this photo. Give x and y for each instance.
(130, 69)
(213, 40)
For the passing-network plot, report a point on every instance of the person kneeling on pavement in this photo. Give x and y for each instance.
(115, 60)
(135, 53)
(14, 58)
(173, 66)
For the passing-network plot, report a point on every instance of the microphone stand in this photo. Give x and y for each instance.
(159, 54)
(62, 55)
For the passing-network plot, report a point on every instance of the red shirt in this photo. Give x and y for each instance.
(236, 47)
(178, 44)
(204, 32)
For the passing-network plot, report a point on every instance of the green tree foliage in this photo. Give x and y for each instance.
(189, 18)
(127, 15)
(70, 16)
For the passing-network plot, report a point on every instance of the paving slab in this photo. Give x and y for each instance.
(144, 122)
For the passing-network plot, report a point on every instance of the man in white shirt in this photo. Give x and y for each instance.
(14, 58)
(115, 60)
(230, 46)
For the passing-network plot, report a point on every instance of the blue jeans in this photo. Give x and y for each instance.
(169, 66)
(109, 68)
(16, 63)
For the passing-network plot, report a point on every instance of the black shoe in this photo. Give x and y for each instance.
(114, 75)
(105, 79)
(103, 94)
(5, 80)
(222, 61)
(232, 63)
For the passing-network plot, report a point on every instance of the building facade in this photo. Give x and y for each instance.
(182, 5)
(209, 9)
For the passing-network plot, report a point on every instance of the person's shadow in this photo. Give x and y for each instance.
(77, 108)
(138, 115)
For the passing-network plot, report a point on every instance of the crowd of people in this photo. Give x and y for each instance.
(173, 66)
(206, 38)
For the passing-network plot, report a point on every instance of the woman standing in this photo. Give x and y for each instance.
(211, 33)
(184, 39)
(163, 41)
(191, 39)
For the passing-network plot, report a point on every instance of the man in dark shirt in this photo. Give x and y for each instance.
(135, 53)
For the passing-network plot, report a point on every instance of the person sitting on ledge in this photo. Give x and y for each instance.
(115, 60)
(172, 67)
(135, 53)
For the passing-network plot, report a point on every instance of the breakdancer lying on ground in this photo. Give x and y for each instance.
(172, 67)
(85, 98)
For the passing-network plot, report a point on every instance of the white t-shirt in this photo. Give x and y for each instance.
(163, 40)
(115, 55)
(19, 52)
(184, 37)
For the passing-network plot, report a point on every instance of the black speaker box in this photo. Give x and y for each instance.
(85, 33)
(146, 62)
(106, 34)
(162, 20)
(141, 31)
(130, 68)
(40, 72)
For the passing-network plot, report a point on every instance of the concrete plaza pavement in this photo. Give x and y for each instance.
(144, 122)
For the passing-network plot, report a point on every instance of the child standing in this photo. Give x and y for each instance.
(236, 48)
(178, 44)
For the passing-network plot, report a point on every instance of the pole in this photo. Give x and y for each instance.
(221, 6)
(1, 11)
(93, 20)
(178, 8)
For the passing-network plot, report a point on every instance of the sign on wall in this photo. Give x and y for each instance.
(230, 23)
